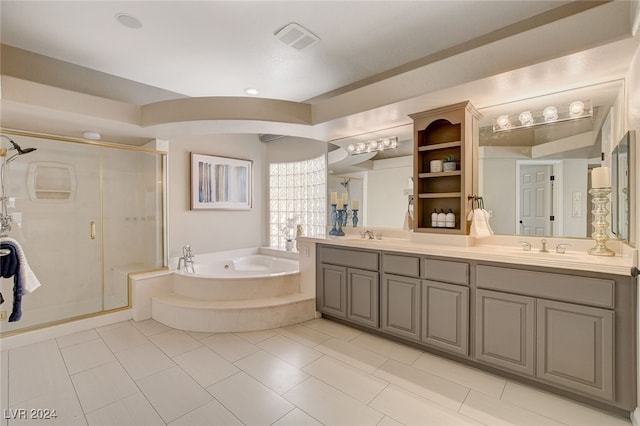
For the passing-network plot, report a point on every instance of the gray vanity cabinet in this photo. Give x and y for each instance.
(349, 285)
(401, 306)
(332, 292)
(362, 297)
(549, 318)
(445, 305)
(445, 316)
(505, 330)
(575, 347)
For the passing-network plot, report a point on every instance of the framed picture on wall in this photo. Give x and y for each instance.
(220, 183)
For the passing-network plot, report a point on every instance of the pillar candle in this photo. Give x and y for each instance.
(345, 198)
(355, 204)
(334, 198)
(600, 178)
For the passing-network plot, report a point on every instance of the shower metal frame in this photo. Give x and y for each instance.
(163, 171)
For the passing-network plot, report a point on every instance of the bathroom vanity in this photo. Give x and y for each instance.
(567, 324)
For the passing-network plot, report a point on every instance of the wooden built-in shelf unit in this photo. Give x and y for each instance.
(440, 133)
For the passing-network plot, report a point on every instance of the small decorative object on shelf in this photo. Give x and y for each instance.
(449, 163)
(355, 217)
(601, 182)
(289, 231)
(435, 166)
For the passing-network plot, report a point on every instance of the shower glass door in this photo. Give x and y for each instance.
(86, 216)
(56, 209)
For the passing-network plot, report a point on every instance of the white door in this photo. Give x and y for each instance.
(535, 200)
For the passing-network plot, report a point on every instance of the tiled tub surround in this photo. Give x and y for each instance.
(223, 302)
(566, 324)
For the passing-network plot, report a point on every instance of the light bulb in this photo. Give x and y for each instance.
(386, 142)
(576, 108)
(351, 148)
(526, 119)
(503, 122)
(550, 113)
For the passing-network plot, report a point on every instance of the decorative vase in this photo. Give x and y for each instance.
(289, 245)
(449, 166)
(435, 166)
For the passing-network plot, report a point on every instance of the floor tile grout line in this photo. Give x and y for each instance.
(73, 385)
(133, 380)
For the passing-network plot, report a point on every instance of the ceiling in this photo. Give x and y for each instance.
(375, 61)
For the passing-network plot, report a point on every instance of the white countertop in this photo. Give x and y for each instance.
(510, 251)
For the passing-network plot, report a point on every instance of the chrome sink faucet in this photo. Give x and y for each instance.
(367, 232)
(544, 246)
(186, 259)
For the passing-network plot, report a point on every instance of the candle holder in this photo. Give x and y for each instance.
(355, 217)
(600, 199)
(339, 231)
(334, 218)
(345, 216)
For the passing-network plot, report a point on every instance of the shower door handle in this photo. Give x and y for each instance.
(92, 232)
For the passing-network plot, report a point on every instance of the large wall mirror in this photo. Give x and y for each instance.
(560, 153)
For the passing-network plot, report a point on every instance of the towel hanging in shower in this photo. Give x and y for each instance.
(29, 280)
(10, 267)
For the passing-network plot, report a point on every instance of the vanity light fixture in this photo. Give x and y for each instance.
(548, 115)
(251, 91)
(373, 145)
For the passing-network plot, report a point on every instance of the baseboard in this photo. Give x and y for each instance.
(635, 417)
(52, 332)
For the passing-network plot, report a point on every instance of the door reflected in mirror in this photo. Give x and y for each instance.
(567, 149)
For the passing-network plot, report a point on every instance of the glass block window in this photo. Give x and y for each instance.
(297, 196)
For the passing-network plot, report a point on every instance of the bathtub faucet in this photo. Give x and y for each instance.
(186, 259)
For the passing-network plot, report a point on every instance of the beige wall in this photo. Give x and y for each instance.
(214, 230)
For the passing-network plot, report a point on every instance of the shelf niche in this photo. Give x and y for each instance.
(450, 131)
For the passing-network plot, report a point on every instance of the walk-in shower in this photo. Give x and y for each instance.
(86, 214)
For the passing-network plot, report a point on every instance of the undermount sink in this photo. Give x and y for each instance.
(551, 255)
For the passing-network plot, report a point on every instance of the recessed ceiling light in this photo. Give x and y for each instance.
(128, 21)
(94, 136)
(251, 91)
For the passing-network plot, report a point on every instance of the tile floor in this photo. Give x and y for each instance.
(318, 372)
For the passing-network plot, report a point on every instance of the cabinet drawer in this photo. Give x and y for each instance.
(401, 265)
(446, 271)
(589, 291)
(351, 258)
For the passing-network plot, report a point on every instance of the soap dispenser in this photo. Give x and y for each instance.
(450, 219)
(442, 219)
(434, 219)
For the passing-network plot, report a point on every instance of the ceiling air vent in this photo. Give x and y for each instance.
(296, 37)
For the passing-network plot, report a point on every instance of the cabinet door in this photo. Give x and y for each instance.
(445, 316)
(362, 297)
(505, 330)
(401, 306)
(575, 347)
(332, 297)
